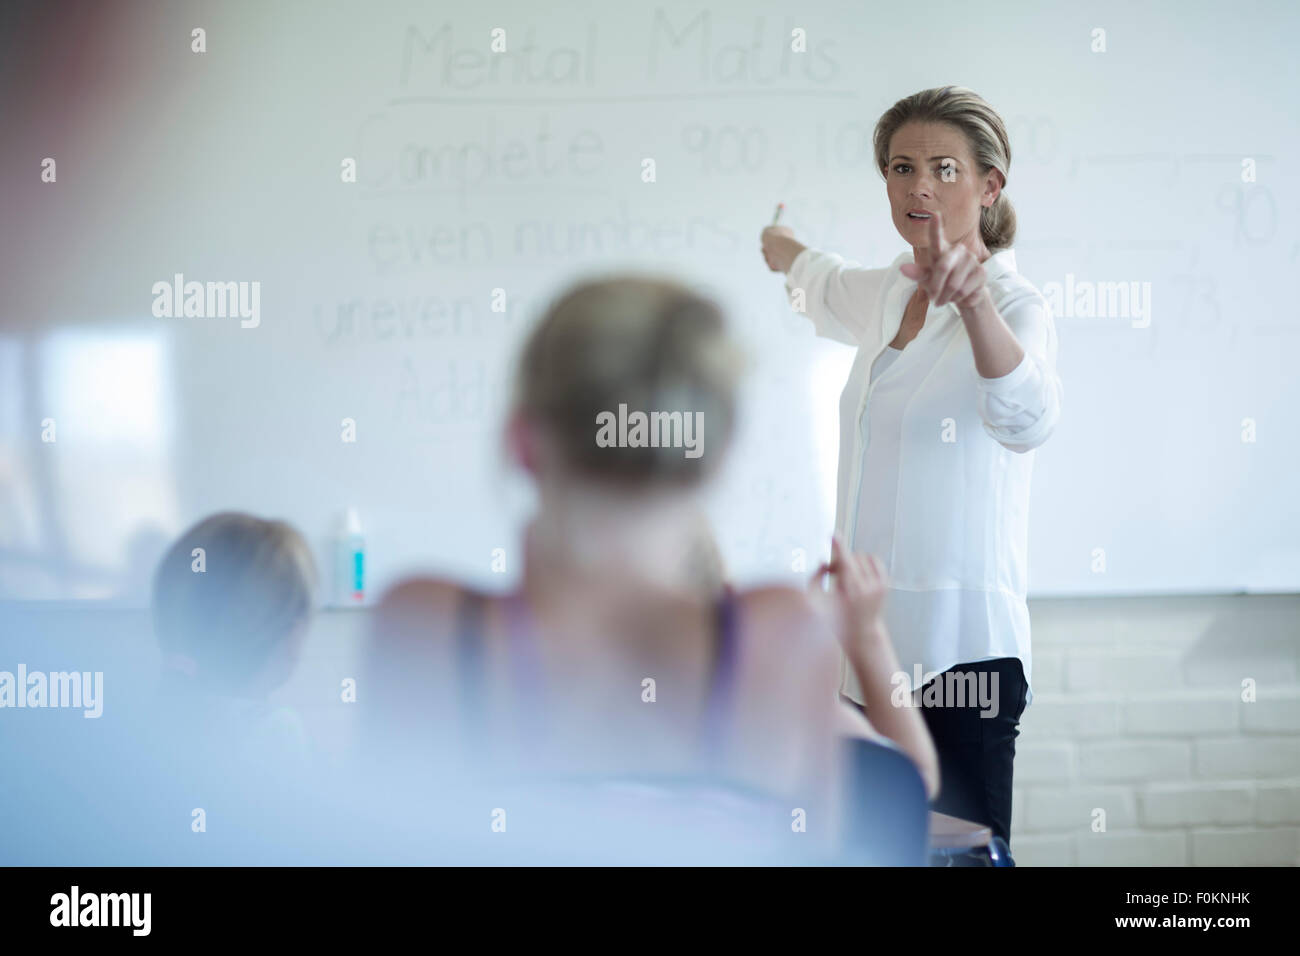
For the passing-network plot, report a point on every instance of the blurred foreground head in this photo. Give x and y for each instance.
(647, 344)
(232, 599)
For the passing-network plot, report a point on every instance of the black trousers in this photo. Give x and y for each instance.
(976, 753)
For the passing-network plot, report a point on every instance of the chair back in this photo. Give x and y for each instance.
(888, 815)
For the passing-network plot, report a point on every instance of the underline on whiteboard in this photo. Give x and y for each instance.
(1170, 244)
(455, 190)
(1072, 243)
(628, 98)
(1114, 158)
(1223, 157)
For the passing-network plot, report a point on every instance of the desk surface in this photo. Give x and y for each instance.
(951, 833)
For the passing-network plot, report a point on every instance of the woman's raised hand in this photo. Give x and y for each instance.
(954, 275)
(780, 247)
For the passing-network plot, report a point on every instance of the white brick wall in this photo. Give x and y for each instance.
(1133, 848)
(1138, 713)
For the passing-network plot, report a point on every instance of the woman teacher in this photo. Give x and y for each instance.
(953, 387)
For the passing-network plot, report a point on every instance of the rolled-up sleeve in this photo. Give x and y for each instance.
(841, 298)
(1020, 409)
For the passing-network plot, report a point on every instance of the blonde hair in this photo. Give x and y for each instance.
(257, 585)
(985, 133)
(648, 343)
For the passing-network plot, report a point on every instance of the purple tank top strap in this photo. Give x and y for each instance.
(525, 663)
(723, 685)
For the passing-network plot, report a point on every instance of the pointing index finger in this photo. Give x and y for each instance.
(937, 244)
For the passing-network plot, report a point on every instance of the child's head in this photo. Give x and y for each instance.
(233, 615)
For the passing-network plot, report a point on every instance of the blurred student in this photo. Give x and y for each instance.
(197, 765)
(233, 599)
(605, 663)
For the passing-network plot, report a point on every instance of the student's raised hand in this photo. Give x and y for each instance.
(780, 247)
(860, 585)
(954, 275)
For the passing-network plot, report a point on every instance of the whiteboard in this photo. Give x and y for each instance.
(1176, 457)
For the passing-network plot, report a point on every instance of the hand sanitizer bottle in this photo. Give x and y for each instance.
(350, 571)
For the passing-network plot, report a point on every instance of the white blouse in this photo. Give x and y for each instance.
(885, 360)
(934, 459)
